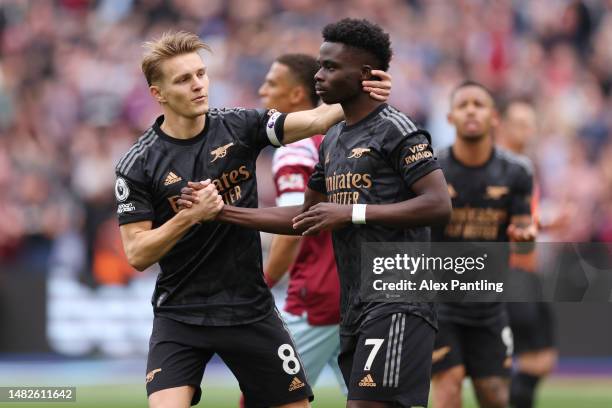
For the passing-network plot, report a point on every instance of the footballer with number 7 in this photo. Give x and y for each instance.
(210, 296)
(376, 181)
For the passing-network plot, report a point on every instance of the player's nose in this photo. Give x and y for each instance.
(262, 90)
(319, 76)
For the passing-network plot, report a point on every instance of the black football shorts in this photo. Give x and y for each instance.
(389, 359)
(261, 355)
(485, 351)
(533, 326)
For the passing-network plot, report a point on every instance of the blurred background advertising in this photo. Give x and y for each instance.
(73, 100)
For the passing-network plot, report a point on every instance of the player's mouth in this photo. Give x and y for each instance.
(472, 125)
(320, 90)
(200, 98)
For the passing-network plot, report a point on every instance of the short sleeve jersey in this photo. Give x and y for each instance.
(213, 275)
(484, 200)
(374, 161)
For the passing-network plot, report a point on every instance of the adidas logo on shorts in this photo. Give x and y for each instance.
(367, 381)
(295, 384)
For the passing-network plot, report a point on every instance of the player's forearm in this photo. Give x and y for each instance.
(276, 220)
(146, 248)
(423, 210)
(283, 251)
(300, 125)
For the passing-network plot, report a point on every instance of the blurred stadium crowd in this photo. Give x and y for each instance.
(73, 99)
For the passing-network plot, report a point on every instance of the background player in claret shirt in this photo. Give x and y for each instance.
(312, 307)
(531, 322)
(491, 191)
(210, 296)
(378, 189)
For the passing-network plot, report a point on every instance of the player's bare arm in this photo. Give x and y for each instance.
(283, 251)
(276, 220)
(431, 206)
(303, 124)
(145, 245)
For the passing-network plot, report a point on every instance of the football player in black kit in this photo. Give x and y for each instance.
(210, 296)
(376, 181)
(532, 323)
(490, 190)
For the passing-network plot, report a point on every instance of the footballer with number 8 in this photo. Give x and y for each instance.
(376, 181)
(210, 296)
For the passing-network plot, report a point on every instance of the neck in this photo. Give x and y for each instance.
(358, 108)
(301, 107)
(181, 127)
(473, 153)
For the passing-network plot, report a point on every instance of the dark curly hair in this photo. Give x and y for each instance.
(361, 34)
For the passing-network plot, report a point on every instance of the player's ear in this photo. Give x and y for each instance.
(495, 120)
(449, 118)
(156, 93)
(366, 73)
(297, 94)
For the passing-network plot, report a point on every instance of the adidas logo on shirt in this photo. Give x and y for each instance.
(367, 381)
(295, 384)
(171, 178)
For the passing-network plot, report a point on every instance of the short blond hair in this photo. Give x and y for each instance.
(169, 45)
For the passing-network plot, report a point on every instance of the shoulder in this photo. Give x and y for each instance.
(234, 114)
(396, 122)
(227, 114)
(396, 128)
(301, 153)
(133, 159)
(515, 163)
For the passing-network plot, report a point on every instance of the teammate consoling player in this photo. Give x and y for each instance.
(210, 296)
(369, 185)
(491, 191)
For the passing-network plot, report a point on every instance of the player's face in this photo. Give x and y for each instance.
(339, 77)
(472, 113)
(519, 124)
(183, 88)
(278, 88)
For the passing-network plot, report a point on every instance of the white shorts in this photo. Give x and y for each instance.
(317, 346)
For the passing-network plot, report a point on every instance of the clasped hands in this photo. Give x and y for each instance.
(319, 217)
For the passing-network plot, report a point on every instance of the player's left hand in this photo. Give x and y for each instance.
(323, 217)
(521, 234)
(378, 89)
(189, 194)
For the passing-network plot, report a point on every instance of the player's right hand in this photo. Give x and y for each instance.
(189, 194)
(201, 200)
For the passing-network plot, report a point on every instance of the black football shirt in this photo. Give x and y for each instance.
(213, 275)
(374, 161)
(484, 200)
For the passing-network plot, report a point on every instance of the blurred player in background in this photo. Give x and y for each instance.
(210, 296)
(491, 192)
(370, 158)
(531, 322)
